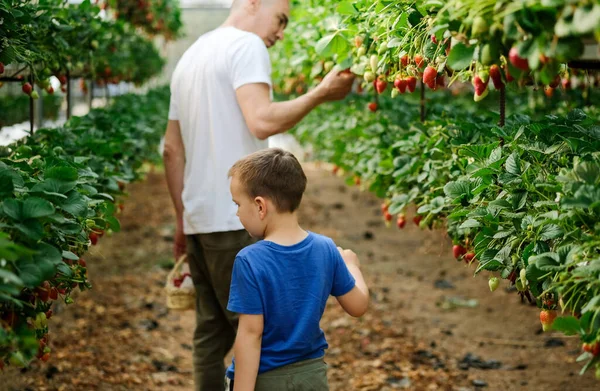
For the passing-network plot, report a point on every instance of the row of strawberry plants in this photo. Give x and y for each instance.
(15, 108)
(61, 190)
(399, 42)
(520, 202)
(57, 38)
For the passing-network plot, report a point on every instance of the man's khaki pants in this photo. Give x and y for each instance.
(211, 258)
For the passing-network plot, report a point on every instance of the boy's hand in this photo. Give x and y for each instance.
(350, 258)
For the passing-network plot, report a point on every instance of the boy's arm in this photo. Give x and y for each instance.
(247, 351)
(355, 302)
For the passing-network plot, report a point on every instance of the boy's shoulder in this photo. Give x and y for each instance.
(259, 248)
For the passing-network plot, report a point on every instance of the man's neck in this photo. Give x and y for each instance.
(239, 21)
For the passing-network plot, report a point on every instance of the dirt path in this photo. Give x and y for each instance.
(418, 335)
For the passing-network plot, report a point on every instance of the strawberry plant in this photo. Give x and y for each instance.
(60, 188)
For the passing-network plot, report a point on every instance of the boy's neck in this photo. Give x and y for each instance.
(283, 229)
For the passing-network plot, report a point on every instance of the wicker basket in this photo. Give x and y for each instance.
(177, 298)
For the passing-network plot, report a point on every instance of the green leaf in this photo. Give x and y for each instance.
(346, 8)
(75, 204)
(568, 325)
(31, 228)
(519, 199)
(513, 164)
(8, 277)
(13, 208)
(460, 56)
(64, 173)
(34, 208)
(588, 172)
(113, 223)
(69, 255)
(547, 262)
(331, 44)
(471, 223)
(551, 231)
(457, 189)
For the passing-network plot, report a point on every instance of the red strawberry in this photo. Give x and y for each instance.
(48, 314)
(401, 84)
(53, 294)
(417, 219)
(411, 83)
(373, 106)
(357, 180)
(517, 61)
(63, 89)
(401, 222)
(404, 60)
(555, 82)
(547, 318)
(50, 90)
(387, 216)
(440, 81)
(107, 71)
(62, 291)
(384, 208)
(43, 294)
(94, 238)
(593, 348)
(121, 207)
(458, 251)
(177, 282)
(1, 68)
(380, 85)
(496, 77)
(566, 83)
(434, 39)
(27, 88)
(334, 171)
(82, 263)
(419, 61)
(509, 77)
(46, 357)
(549, 91)
(429, 75)
(469, 257)
(63, 79)
(479, 85)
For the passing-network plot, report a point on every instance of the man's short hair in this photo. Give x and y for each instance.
(272, 173)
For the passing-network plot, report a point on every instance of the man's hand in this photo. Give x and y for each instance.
(335, 86)
(179, 245)
(350, 258)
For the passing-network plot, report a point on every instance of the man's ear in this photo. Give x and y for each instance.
(261, 204)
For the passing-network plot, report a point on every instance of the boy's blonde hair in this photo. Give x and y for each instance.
(272, 173)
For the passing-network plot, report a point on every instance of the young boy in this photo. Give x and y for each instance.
(280, 284)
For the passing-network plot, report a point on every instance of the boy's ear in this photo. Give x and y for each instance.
(261, 204)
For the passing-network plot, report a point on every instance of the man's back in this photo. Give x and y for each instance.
(213, 129)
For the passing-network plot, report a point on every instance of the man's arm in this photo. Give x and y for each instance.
(266, 118)
(247, 351)
(174, 160)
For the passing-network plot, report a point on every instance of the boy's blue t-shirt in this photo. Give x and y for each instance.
(289, 286)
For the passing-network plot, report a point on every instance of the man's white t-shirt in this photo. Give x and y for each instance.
(214, 132)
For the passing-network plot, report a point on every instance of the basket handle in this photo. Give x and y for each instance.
(177, 266)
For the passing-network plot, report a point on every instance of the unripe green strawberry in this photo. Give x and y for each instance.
(493, 283)
(369, 77)
(374, 61)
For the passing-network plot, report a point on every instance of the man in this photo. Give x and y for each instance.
(220, 111)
